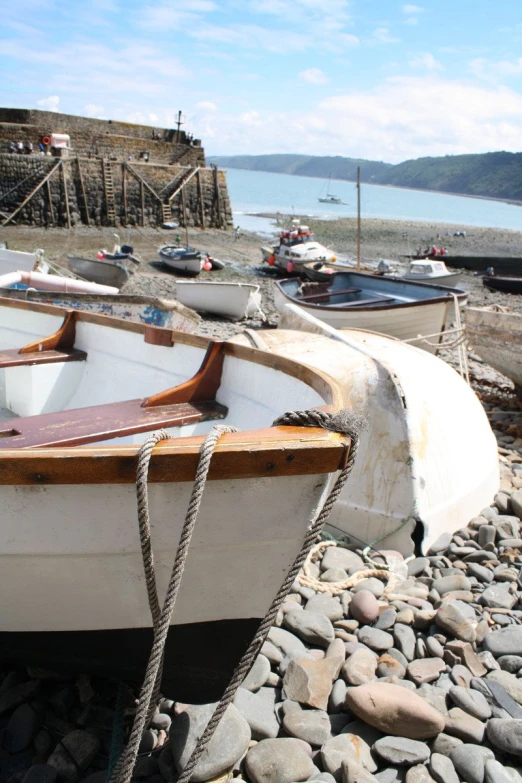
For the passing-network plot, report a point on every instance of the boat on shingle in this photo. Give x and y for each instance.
(78, 397)
(392, 306)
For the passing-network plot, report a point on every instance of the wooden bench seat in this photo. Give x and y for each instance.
(102, 422)
(363, 302)
(13, 357)
(57, 347)
(188, 403)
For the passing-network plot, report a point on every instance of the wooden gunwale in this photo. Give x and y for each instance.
(444, 298)
(269, 452)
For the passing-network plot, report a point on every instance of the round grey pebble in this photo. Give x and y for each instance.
(470, 761)
(402, 751)
(372, 584)
(375, 639)
(442, 769)
(506, 735)
(510, 663)
(471, 701)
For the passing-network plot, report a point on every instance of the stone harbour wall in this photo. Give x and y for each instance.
(201, 202)
(114, 173)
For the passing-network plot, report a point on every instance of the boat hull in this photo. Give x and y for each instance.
(427, 460)
(71, 566)
(497, 339)
(450, 280)
(231, 300)
(141, 309)
(507, 285)
(405, 321)
(501, 265)
(104, 272)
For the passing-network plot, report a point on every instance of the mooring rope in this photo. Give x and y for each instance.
(344, 422)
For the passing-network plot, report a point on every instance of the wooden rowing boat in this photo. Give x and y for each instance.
(496, 337)
(427, 460)
(392, 306)
(232, 300)
(76, 406)
(104, 272)
(142, 309)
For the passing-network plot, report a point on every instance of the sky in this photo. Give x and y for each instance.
(363, 78)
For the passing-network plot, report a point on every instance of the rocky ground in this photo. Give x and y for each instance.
(414, 677)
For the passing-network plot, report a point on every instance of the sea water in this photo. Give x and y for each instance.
(254, 192)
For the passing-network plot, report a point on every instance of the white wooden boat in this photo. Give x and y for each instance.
(142, 309)
(429, 271)
(71, 573)
(391, 306)
(27, 262)
(497, 338)
(232, 300)
(182, 259)
(427, 457)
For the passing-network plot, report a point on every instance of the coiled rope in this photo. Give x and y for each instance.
(344, 422)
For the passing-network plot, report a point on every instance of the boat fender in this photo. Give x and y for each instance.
(290, 267)
(46, 140)
(271, 260)
(333, 259)
(100, 254)
(207, 266)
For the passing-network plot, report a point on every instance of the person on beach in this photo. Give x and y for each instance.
(237, 233)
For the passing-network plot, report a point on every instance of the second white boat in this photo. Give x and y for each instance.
(231, 300)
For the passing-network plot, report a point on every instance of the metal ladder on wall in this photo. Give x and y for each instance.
(109, 192)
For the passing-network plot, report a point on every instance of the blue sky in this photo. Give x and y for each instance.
(370, 78)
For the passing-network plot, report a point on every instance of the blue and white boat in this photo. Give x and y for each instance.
(416, 312)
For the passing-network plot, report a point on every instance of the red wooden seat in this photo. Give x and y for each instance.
(188, 403)
(58, 347)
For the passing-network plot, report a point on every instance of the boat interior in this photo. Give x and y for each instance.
(354, 289)
(86, 379)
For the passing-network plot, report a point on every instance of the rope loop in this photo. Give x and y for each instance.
(344, 422)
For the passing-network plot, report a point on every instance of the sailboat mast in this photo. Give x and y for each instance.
(358, 218)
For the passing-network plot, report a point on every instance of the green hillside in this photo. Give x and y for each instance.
(336, 167)
(495, 174)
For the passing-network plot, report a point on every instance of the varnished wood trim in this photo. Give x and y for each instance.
(202, 387)
(276, 451)
(61, 340)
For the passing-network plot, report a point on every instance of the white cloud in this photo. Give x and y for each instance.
(412, 13)
(383, 35)
(314, 76)
(391, 122)
(491, 71)
(50, 103)
(425, 62)
(206, 106)
(168, 15)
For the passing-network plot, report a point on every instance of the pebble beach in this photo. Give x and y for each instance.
(412, 675)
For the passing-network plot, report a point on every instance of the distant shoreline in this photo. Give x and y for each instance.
(512, 202)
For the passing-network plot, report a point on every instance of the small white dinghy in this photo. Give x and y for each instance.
(232, 300)
(79, 396)
(497, 338)
(429, 271)
(427, 460)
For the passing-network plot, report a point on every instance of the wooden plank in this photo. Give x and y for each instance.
(66, 195)
(102, 422)
(124, 190)
(364, 302)
(311, 297)
(61, 340)
(218, 198)
(13, 358)
(145, 183)
(183, 210)
(185, 181)
(32, 193)
(84, 197)
(50, 200)
(142, 198)
(272, 452)
(201, 202)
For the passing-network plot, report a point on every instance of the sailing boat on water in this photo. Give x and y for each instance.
(330, 198)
